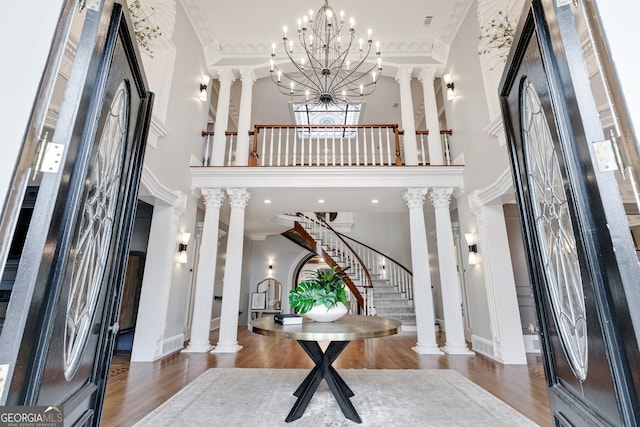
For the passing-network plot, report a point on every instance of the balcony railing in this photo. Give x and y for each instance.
(327, 145)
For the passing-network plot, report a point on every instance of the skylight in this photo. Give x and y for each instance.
(319, 115)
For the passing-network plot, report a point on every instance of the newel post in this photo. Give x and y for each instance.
(253, 156)
(397, 133)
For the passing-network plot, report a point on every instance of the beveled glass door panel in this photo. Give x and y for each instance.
(554, 230)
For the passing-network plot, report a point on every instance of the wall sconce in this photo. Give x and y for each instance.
(182, 247)
(203, 88)
(450, 86)
(270, 270)
(473, 248)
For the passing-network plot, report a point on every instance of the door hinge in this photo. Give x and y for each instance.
(608, 155)
(51, 157)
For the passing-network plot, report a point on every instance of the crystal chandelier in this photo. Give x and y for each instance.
(327, 69)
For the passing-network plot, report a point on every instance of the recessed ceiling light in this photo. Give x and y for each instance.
(267, 201)
(375, 201)
(320, 200)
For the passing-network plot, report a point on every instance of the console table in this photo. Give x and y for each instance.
(339, 333)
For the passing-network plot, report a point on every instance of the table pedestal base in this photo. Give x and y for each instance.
(323, 369)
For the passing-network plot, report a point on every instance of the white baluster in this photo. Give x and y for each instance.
(310, 148)
(333, 148)
(342, 149)
(294, 160)
(381, 146)
(318, 147)
(264, 145)
(230, 149)
(373, 146)
(286, 151)
(295, 135)
(447, 152)
(422, 152)
(357, 147)
(364, 144)
(389, 147)
(271, 147)
(279, 146)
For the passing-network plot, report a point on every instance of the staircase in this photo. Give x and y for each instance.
(385, 286)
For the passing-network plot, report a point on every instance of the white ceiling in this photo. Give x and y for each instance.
(239, 33)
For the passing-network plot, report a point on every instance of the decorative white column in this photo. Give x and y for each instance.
(228, 339)
(450, 285)
(426, 77)
(248, 78)
(422, 295)
(206, 270)
(403, 77)
(226, 77)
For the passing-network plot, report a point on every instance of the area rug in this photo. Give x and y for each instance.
(384, 398)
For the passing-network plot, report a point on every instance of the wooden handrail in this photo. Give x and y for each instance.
(226, 133)
(442, 132)
(378, 252)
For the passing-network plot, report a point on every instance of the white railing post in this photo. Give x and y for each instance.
(264, 146)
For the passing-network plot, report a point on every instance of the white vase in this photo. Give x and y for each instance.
(320, 312)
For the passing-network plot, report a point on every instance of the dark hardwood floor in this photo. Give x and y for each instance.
(135, 389)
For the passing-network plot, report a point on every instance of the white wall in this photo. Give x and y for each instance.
(386, 232)
(170, 159)
(485, 160)
(284, 256)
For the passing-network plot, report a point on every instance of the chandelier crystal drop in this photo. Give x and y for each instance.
(326, 69)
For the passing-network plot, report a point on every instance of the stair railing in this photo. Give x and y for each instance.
(338, 248)
(384, 266)
(377, 264)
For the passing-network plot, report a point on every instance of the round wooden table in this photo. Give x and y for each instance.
(339, 333)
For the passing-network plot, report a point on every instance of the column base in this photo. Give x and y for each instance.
(226, 348)
(422, 349)
(197, 348)
(458, 350)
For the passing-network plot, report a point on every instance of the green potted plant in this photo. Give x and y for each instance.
(322, 296)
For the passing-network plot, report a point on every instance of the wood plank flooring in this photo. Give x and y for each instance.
(135, 389)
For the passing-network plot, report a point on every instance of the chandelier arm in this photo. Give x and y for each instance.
(300, 70)
(313, 63)
(341, 57)
(355, 75)
(352, 79)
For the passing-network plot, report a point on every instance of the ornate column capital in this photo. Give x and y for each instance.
(226, 75)
(238, 197)
(440, 197)
(404, 74)
(427, 75)
(213, 197)
(248, 76)
(415, 197)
